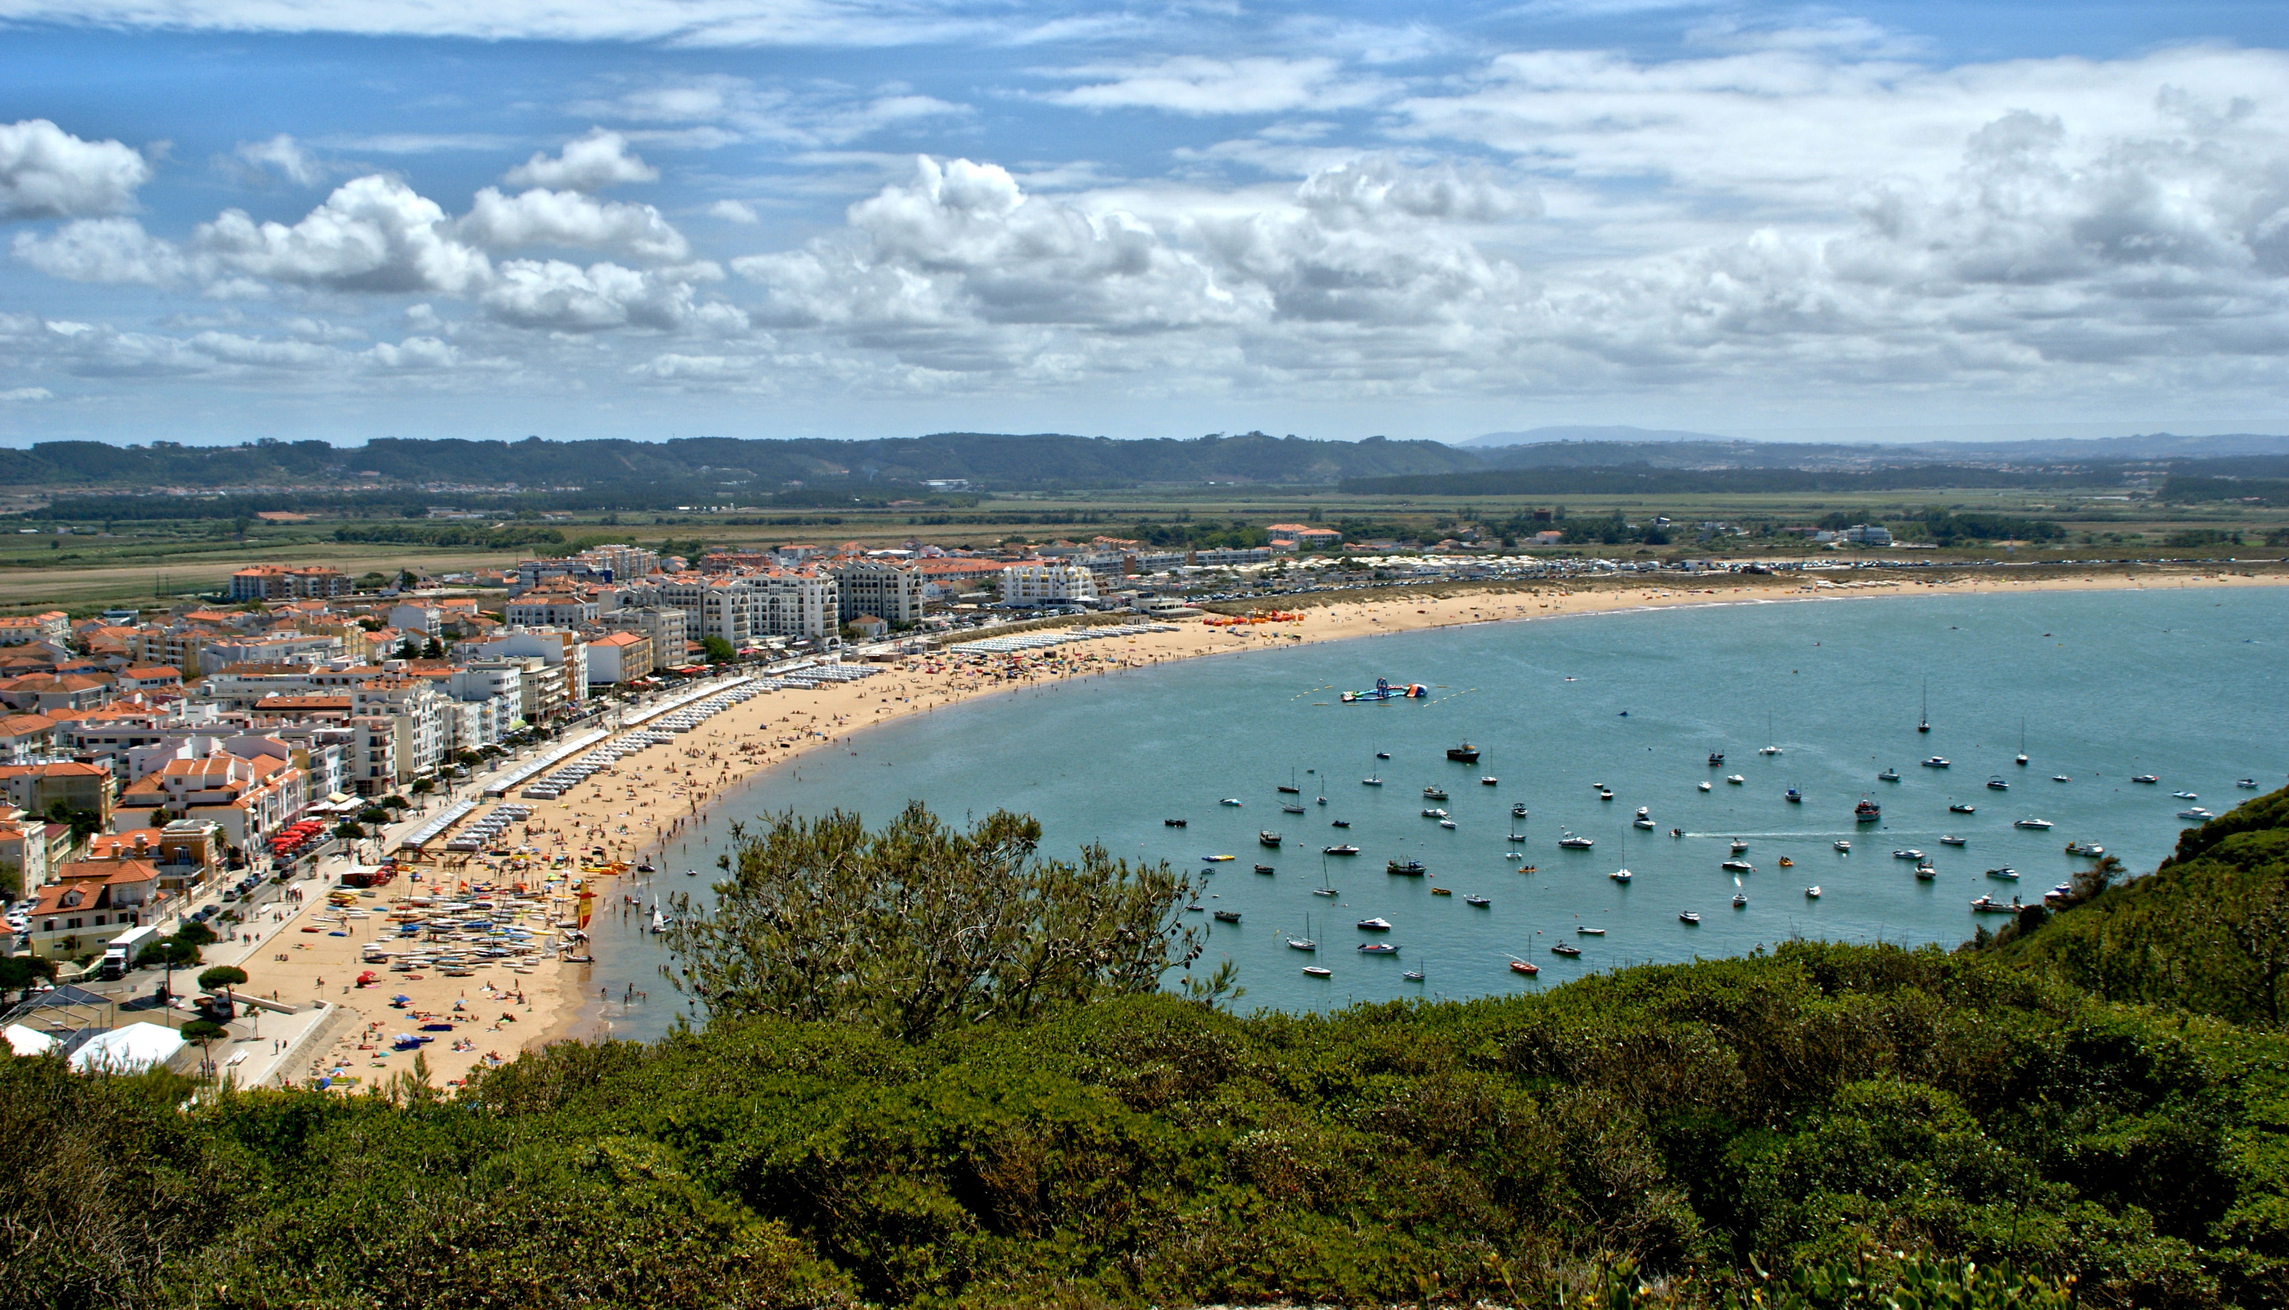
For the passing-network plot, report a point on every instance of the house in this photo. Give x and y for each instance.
(249, 794)
(89, 904)
(870, 627)
(24, 861)
(25, 738)
(52, 626)
(148, 677)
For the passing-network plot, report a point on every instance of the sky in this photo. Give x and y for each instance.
(341, 219)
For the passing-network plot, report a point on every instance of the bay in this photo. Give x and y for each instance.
(2184, 684)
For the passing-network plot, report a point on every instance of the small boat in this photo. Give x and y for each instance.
(1567, 949)
(1411, 975)
(1463, 754)
(1370, 782)
(2184, 796)
(1604, 795)
(1793, 796)
(1590, 932)
(645, 867)
(1442, 891)
(1924, 724)
(1740, 901)
(1302, 943)
(1526, 967)
(1677, 832)
(2191, 812)
(1345, 849)
(1989, 905)
(1620, 875)
(1787, 863)
(2246, 784)
(1958, 808)
(1644, 823)
(1949, 839)
(1936, 762)
(1291, 809)
(1227, 916)
(1716, 758)
(1572, 843)
(1340, 823)
(1996, 783)
(1888, 775)
(1264, 868)
(1644, 811)
(1867, 811)
(1382, 755)
(1446, 823)
(2036, 825)
(1812, 893)
(2060, 892)
(1702, 785)
(1480, 901)
(2148, 778)
(1844, 846)
(2085, 849)
(1739, 845)
(1323, 891)
(2021, 758)
(1288, 790)
(1736, 779)
(2060, 777)
(1377, 948)
(1194, 908)
(1316, 971)
(1430, 813)
(1737, 866)
(1405, 868)
(1267, 837)
(1217, 859)
(1689, 919)
(1232, 801)
(1490, 781)
(1518, 811)
(1911, 853)
(1172, 823)
(1434, 793)
(2004, 874)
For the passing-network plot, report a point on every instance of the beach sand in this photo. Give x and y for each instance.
(664, 793)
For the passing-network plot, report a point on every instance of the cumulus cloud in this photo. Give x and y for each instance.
(372, 234)
(284, 156)
(569, 218)
(733, 211)
(593, 162)
(46, 172)
(108, 250)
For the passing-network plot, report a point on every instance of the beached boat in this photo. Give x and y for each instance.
(1463, 754)
(2037, 825)
(1405, 868)
(1344, 849)
(1267, 837)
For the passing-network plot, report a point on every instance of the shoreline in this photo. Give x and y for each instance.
(669, 792)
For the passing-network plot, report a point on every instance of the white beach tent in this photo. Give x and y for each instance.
(27, 1041)
(131, 1049)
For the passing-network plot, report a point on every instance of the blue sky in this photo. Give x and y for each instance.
(649, 218)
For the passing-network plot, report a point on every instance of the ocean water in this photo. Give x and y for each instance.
(2183, 684)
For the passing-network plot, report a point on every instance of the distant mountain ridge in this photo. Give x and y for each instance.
(1611, 447)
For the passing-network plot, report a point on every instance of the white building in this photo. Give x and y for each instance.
(869, 586)
(1030, 586)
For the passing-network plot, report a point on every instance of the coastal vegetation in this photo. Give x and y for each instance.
(1816, 1126)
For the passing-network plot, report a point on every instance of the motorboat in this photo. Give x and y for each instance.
(1950, 839)
(1793, 796)
(2059, 893)
(1480, 902)
(2042, 825)
(2004, 874)
(1446, 823)
(1925, 873)
(1867, 811)
(1642, 822)
(1604, 795)
(1702, 785)
(1888, 775)
(1567, 949)
(1344, 849)
(1737, 866)
(1267, 837)
(1264, 868)
(1909, 854)
(1527, 967)
(1340, 823)
(1936, 762)
(1956, 807)
(1434, 793)
(1463, 754)
(1405, 868)
(2060, 777)
(1996, 783)
(1432, 813)
(1688, 918)
(2184, 796)
(1518, 811)
(1989, 905)
(1377, 948)
(2085, 849)
(1382, 755)
(1812, 893)
(1739, 845)
(1621, 875)
(1740, 901)
(1677, 832)
(1316, 971)
(1589, 932)
(2148, 778)
(1489, 780)
(1716, 758)
(1735, 779)
(1232, 801)
(1173, 823)
(2246, 784)
(1227, 916)
(1843, 846)
(1572, 843)
(1375, 925)
(1644, 811)
(2194, 812)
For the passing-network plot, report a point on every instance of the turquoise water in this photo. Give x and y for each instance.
(2184, 684)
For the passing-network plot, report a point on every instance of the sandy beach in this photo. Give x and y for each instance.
(664, 793)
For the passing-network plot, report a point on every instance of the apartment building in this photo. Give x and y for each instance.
(663, 627)
(21, 629)
(868, 586)
(275, 648)
(620, 658)
(1030, 586)
(417, 712)
(277, 582)
(550, 609)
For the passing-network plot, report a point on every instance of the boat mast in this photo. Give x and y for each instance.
(1924, 724)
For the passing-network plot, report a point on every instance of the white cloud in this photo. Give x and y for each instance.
(46, 172)
(285, 156)
(372, 234)
(568, 218)
(556, 296)
(733, 211)
(710, 23)
(591, 163)
(1193, 84)
(105, 250)
(728, 109)
(26, 395)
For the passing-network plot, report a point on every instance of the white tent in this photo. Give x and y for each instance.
(27, 1041)
(131, 1049)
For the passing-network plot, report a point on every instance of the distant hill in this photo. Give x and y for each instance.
(1543, 436)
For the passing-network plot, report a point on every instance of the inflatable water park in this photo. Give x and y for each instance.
(1383, 690)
